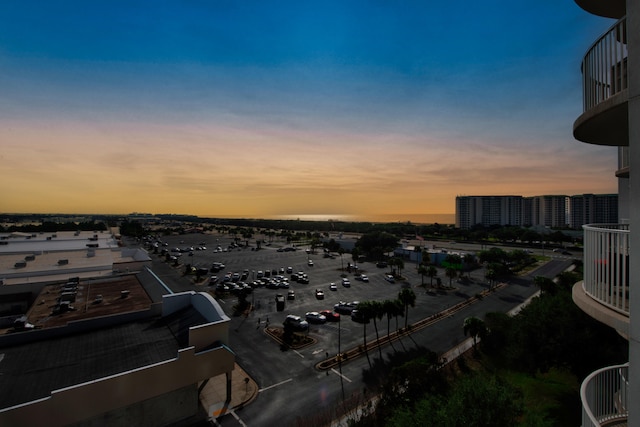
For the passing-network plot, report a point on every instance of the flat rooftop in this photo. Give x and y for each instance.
(86, 305)
(60, 358)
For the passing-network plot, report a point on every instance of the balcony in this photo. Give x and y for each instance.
(605, 90)
(604, 291)
(606, 8)
(604, 397)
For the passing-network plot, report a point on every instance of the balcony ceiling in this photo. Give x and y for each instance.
(607, 8)
(605, 124)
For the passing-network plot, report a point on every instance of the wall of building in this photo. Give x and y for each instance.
(162, 410)
(90, 401)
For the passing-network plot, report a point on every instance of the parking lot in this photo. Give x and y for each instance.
(282, 372)
(322, 272)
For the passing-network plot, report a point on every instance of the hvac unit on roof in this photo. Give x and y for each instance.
(63, 261)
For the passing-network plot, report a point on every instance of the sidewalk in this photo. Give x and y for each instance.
(243, 390)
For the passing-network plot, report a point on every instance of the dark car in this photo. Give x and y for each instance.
(280, 302)
(357, 316)
(345, 307)
(296, 323)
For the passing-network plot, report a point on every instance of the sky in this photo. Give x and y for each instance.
(265, 109)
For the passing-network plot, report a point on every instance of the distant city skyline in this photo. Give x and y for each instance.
(253, 110)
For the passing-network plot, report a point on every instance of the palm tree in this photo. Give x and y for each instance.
(432, 272)
(341, 252)
(451, 273)
(400, 265)
(422, 271)
(491, 275)
(354, 256)
(475, 328)
(390, 308)
(365, 310)
(377, 312)
(408, 298)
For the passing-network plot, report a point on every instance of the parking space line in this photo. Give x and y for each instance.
(275, 385)
(232, 412)
(340, 375)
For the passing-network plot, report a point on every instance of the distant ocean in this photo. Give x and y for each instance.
(413, 218)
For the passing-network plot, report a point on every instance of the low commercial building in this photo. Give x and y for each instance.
(115, 358)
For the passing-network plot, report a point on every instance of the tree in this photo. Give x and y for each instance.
(341, 252)
(399, 263)
(408, 298)
(365, 311)
(390, 309)
(451, 273)
(432, 272)
(377, 312)
(422, 271)
(354, 256)
(375, 245)
(475, 328)
(545, 284)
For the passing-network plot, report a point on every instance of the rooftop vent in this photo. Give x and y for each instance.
(63, 261)
(124, 294)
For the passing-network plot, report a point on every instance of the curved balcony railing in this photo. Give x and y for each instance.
(604, 67)
(604, 396)
(606, 265)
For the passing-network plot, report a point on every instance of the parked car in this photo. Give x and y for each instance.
(346, 282)
(345, 307)
(333, 287)
(357, 316)
(331, 316)
(319, 294)
(280, 302)
(389, 278)
(296, 322)
(310, 263)
(291, 294)
(315, 317)
(364, 277)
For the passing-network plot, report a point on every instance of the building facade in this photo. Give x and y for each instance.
(593, 209)
(552, 211)
(608, 291)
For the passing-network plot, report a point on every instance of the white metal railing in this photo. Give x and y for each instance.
(604, 67)
(604, 396)
(606, 265)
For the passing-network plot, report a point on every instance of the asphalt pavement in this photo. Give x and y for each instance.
(284, 385)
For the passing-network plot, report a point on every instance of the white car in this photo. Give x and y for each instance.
(333, 287)
(346, 282)
(310, 263)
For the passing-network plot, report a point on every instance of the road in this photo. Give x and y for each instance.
(290, 387)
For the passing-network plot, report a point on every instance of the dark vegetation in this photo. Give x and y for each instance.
(525, 370)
